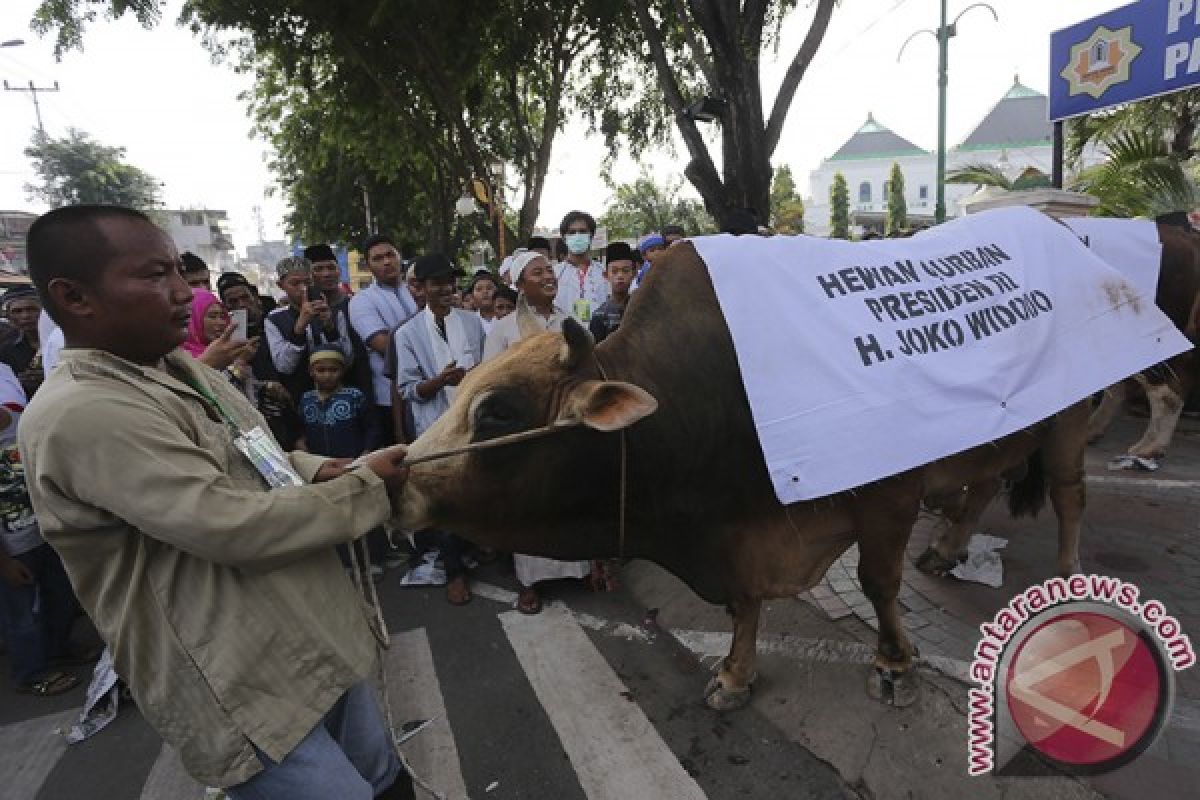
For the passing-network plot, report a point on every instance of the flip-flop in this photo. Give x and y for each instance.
(53, 684)
(458, 600)
(525, 606)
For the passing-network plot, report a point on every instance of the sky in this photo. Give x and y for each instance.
(158, 94)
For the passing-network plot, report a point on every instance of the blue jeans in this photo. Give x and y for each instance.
(36, 618)
(348, 756)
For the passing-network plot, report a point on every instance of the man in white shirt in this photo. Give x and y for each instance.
(483, 290)
(582, 286)
(375, 313)
(434, 350)
(533, 275)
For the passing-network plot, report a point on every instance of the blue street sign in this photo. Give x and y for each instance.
(1131, 53)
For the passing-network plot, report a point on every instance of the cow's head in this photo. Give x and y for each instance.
(543, 380)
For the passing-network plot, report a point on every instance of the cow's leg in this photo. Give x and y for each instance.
(730, 687)
(1063, 453)
(1111, 403)
(883, 534)
(949, 544)
(1166, 406)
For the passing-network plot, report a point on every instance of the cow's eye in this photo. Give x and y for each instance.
(498, 415)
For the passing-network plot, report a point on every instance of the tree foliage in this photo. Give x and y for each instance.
(1150, 148)
(424, 96)
(713, 49)
(897, 207)
(787, 206)
(645, 206)
(1142, 177)
(78, 169)
(839, 208)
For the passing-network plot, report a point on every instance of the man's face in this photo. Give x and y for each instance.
(538, 282)
(468, 301)
(197, 279)
(484, 293)
(502, 307)
(239, 298)
(326, 374)
(139, 304)
(416, 288)
(384, 263)
(440, 294)
(620, 276)
(23, 314)
(295, 286)
(326, 276)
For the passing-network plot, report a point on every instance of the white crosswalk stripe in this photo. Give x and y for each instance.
(28, 751)
(615, 750)
(612, 747)
(415, 693)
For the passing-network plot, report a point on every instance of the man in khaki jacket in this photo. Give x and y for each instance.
(222, 599)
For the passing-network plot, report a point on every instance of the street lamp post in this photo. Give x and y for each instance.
(943, 35)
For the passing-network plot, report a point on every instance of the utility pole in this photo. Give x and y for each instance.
(33, 92)
(943, 35)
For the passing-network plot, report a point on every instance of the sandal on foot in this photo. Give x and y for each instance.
(53, 684)
(458, 593)
(529, 601)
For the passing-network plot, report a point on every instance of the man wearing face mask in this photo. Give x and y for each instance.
(581, 283)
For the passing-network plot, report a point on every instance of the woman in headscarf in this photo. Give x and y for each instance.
(210, 334)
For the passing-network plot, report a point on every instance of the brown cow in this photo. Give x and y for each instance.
(699, 499)
(1169, 384)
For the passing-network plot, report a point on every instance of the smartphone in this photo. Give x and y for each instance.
(239, 320)
(315, 294)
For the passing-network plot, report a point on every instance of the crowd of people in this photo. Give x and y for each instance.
(333, 373)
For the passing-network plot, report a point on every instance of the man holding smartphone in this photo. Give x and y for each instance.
(305, 324)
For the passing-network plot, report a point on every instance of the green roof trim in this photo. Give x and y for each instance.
(1020, 90)
(916, 151)
(1047, 142)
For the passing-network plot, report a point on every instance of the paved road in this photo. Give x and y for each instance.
(583, 700)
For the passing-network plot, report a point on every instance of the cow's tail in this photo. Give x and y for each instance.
(1028, 494)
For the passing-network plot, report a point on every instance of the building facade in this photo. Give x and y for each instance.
(1014, 136)
(206, 233)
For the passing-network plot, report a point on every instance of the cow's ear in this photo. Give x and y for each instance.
(613, 405)
(577, 344)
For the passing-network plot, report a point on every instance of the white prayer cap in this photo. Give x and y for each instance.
(521, 261)
(506, 265)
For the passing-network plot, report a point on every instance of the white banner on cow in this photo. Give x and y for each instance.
(1130, 246)
(862, 360)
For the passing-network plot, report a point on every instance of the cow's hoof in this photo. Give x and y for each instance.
(719, 697)
(893, 688)
(932, 562)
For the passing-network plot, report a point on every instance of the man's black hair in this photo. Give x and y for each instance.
(484, 275)
(537, 243)
(68, 243)
(230, 279)
(668, 230)
(577, 216)
(506, 292)
(376, 239)
(192, 262)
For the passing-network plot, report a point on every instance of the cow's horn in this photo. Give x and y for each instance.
(577, 344)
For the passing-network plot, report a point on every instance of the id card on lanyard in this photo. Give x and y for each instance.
(258, 447)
